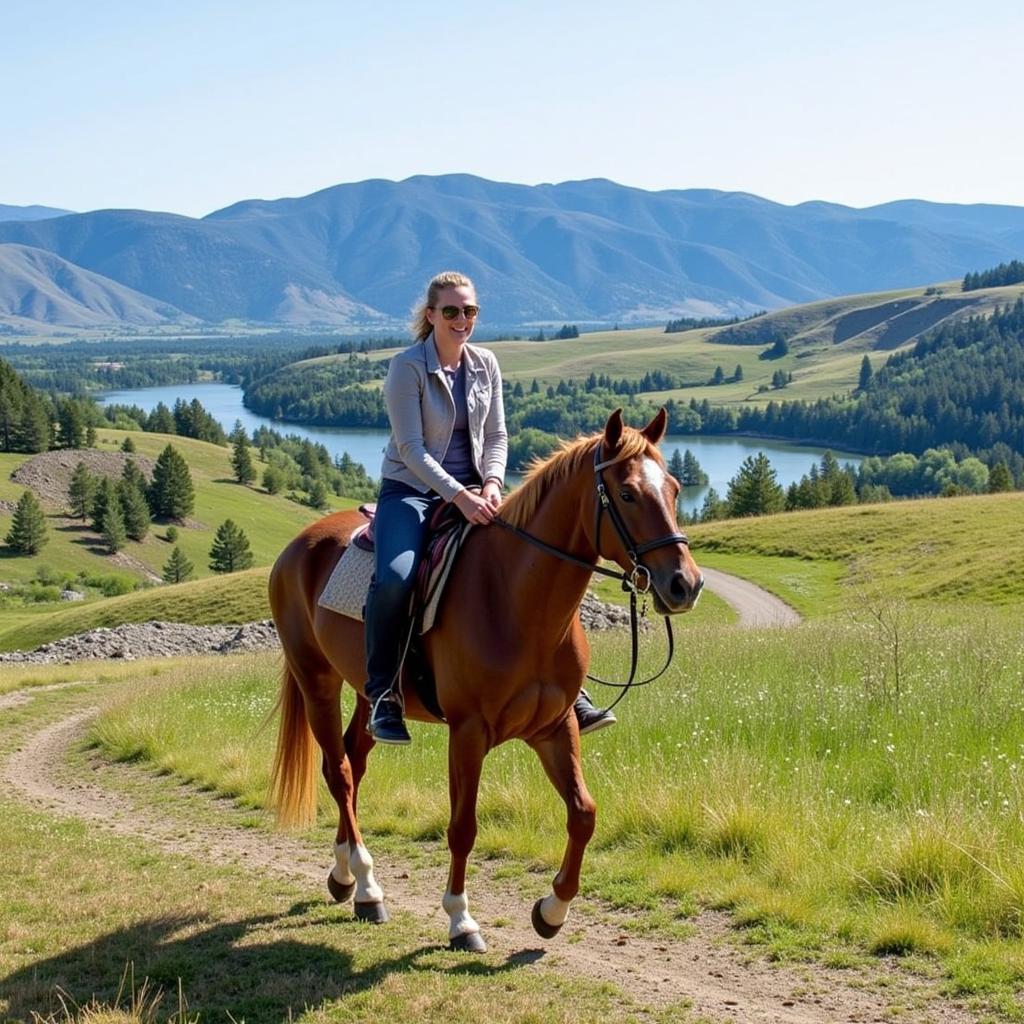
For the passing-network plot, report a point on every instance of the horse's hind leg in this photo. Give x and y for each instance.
(466, 750)
(560, 755)
(353, 869)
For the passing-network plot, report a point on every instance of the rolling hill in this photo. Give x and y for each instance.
(39, 287)
(588, 251)
(30, 212)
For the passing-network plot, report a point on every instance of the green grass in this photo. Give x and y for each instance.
(952, 550)
(821, 365)
(238, 597)
(832, 788)
(269, 521)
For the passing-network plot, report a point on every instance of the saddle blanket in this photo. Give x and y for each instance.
(346, 590)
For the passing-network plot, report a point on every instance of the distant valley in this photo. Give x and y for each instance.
(592, 252)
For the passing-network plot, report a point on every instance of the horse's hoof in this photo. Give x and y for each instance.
(471, 942)
(375, 913)
(540, 926)
(339, 892)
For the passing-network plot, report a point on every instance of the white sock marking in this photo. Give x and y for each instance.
(457, 909)
(554, 910)
(340, 871)
(361, 865)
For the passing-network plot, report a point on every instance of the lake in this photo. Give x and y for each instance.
(720, 457)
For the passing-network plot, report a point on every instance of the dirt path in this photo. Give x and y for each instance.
(755, 607)
(719, 980)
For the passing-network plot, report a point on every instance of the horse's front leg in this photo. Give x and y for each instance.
(559, 752)
(467, 747)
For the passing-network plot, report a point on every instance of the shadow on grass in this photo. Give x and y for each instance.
(251, 969)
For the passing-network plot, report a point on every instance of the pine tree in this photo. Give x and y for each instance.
(230, 550)
(134, 510)
(693, 474)
(132, 476)
(241, 459)
(718, 376)
(128, 445)
(675, 465)
(178, 568)
(82, 491)
(999, 479)
(171, 493)
(318, 494)
(113, 531)
(755, 490)
(738, 373)
(28, 532)
(713, 507)
(866, 373)
(105, 497)
(70, 429)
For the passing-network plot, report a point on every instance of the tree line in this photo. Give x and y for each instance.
(996, 277)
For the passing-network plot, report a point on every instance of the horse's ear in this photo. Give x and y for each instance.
(613, 431)
(655, 430)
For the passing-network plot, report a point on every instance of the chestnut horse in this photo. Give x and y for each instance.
(507, 650)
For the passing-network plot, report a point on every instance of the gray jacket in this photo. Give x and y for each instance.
(422, 413)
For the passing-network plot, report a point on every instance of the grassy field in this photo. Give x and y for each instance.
(102, 929)
(846, 789)
(269, 521)
(827, 341)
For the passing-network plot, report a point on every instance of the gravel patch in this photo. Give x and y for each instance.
(48, 474)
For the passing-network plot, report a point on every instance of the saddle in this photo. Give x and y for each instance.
(349, 583)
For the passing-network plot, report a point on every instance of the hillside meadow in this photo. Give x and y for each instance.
(827, 341)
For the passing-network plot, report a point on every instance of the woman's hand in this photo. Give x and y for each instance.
(491, 493)
(474, 507)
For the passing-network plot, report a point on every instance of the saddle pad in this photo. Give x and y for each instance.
(345, 592)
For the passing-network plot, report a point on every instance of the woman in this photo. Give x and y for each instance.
(444, 403)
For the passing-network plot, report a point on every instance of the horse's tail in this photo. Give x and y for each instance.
(293, 777)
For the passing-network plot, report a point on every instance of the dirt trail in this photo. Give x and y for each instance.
(719, 981)
(755, 607)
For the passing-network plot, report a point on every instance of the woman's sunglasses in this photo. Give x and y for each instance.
(452, 312)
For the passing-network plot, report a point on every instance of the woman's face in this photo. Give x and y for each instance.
(456, 331)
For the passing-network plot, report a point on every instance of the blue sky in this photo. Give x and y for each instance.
(190, 106)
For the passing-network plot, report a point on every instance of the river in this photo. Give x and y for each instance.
(720, 457)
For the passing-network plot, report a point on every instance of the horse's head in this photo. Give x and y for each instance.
(636, 520)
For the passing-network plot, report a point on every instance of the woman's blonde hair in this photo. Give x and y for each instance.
(421, 327)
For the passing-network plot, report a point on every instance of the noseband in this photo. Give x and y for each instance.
(637, 581)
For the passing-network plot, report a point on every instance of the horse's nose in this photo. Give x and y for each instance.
(682, 590)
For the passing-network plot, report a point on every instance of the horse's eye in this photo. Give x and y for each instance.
(627, 496)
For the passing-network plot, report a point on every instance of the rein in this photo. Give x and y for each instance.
(637, 581)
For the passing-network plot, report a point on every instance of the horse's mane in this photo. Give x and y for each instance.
(521, 505)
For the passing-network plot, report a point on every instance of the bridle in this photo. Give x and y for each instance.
(637, 581)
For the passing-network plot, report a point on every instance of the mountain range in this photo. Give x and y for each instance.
(585, 251)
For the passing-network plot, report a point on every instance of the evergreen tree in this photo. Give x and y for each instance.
(134, 510)
(999, 479)
(675, 466)
(90, 436)
(866, 373)
(318, 494)
(718, 376)
(713, 507)
(241, 458)
(161, 420)
(128, 445)
(171, 493)
(693, 474)
(28, 532)
(755, 490)
(114, 535)
(178, 568)
(230, 550)
(82, 491)
(132, 476)
(70, 428)
(738, 373)
(105, 498)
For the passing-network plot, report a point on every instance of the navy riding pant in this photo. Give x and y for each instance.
(400, 537)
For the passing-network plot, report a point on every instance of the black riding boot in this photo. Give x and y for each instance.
(591, 718)
(387, 723)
